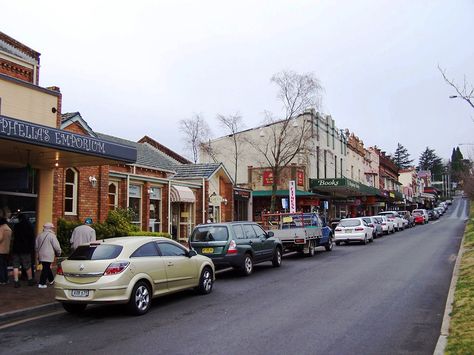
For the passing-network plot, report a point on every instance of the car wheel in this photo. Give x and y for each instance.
(247, 267)
(74, 308)
(371, 240)
(338, 243)
(205, 281)
(311, 248)
(330, 244)
(276, 261)
(364, 242)
(140, 300)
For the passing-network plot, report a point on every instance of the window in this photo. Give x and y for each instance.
(325, 164)
(135, 203)
(352, 172)
(335, 166)
(149, 249)
(341, 168)
(168, 249)
(249, 232)
(113, 196)
(96, 252)
(259, 231)
(239, 233)
(209, 233)
(155, 209)
(317, 162)
(70, 193)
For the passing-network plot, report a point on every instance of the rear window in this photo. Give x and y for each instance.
(388, 214)
(96, 252)
(209, 234)
(349, 223)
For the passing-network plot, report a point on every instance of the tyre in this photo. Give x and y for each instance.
(276, 260)
(74, 308)
(311, 248)
(330, 244)
(140, 300)
(364, 242)
(206, 281)
(247, 267)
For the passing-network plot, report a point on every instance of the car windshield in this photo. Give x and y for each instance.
(388, 214)
(96, 252)
(349, 223)
(209, 233)
(378, 219)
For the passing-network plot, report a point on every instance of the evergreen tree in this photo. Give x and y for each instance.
(430, 161)
(401, 157)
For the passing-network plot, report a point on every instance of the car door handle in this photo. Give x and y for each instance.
(250, 241)
(170, 263)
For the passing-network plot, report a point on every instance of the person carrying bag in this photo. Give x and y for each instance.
(47, 248)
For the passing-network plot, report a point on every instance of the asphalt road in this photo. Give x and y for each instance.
(384, 298)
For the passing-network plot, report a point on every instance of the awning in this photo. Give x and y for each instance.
(268, 193)
(182, 194)
(343, 187)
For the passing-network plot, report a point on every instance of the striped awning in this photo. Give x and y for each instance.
(182, 194)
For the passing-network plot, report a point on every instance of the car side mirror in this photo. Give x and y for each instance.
(192, 253)
(270, 234)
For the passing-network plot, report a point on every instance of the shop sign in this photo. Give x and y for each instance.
(31, 133)
(267, 178)
(300, 177)
(215, 200)
(392, 195)
(244, 194)
(292, 191)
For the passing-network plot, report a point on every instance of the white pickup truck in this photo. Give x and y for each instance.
(301, 232)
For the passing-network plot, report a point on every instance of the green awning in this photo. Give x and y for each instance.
(343, 187)
(284, 193)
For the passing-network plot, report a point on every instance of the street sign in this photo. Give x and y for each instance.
(292, 191)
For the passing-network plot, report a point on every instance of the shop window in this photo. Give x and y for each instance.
(135, 203)
(70, 192)
(154, 224)
(113, 196)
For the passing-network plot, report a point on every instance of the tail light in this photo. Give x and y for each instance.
(372, 225)
(116, 268)
(338, 230)
(59, 270)
(232, 247)
(358, 229)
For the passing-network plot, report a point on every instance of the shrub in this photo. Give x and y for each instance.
(150, 234)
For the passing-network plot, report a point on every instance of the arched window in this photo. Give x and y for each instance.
(113, 195)
(70, 193)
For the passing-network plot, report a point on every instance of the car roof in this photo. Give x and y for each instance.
(130, 240)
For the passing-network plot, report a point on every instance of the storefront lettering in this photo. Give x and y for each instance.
(82, 143)
(328, 183)
(23, 130)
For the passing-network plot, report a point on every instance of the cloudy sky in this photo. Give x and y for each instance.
(137, 68)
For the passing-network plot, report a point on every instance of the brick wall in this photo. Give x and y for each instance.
(16, 71)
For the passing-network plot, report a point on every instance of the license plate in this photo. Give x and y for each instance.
(80, 293)
(207, 250)
(348, 231)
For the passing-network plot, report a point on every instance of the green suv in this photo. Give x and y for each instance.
(236, 244)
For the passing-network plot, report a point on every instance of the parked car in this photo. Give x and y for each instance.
(423, 212)
(418, 218)
(353, 229)
(236, 244)
(408, 217)
(449, 202)
(375, 225)
(440, 210)
(387, 226)
(432, 215)
(394, 217)
(130, 270)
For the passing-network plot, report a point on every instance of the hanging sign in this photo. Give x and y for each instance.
(292, 193)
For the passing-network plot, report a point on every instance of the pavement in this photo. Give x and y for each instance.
(25, 301)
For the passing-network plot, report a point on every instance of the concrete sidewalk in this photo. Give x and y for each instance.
(25, 301)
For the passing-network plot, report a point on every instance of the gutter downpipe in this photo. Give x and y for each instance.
(203, 201)
(169, 208)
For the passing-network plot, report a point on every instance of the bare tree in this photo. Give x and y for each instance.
(281, 141)
(233, 123)
(466, 92)
(196, 131)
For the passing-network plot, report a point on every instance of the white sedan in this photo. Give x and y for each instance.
(387, 226)
(353, 229)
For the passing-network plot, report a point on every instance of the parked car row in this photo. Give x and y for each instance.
(133, 270)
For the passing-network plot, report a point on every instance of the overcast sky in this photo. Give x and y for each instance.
(135, 68)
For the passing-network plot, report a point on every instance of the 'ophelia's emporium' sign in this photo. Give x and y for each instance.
(27, 132)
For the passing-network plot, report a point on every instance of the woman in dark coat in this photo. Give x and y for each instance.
(22, 248)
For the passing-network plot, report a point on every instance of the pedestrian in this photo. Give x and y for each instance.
(23, 247)
(5, 240)
(47, 247)
(82, 234)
